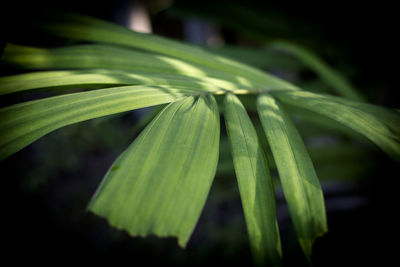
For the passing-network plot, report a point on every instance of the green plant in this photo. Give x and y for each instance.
(160, 183)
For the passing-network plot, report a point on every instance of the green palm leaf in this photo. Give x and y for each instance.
(255, 184)
(373, 122)
(300, 184)
(84, 28)
(116, 58)
(21, 124)
(160, 183)
(100, 78)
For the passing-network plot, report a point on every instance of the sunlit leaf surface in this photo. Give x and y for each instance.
(94, 78)
(377, 124)
(160, 183)
(23, 123)
(300, 183)
(255, 184)
(80, 27)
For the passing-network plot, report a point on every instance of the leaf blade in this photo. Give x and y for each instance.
(255, 183)
(301, 187)
(98, 77)
(376, 123)
(23, 123)
(115, 58)
(84, 28)
(181, 148)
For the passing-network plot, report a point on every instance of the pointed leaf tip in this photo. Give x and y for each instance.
(255, 184)
(300, 184)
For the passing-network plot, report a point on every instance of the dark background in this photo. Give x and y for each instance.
(47, 186)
